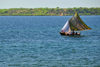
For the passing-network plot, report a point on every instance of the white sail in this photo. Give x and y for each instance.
(69, 30)
(66, 27)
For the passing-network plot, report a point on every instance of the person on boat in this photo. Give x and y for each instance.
(73, 32)
(62, 32)
(76, 33)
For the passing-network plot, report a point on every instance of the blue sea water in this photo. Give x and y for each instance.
(34, 41)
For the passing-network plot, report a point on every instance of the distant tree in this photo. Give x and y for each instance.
(48, 11)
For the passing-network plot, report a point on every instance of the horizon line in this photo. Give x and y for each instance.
(50, 7)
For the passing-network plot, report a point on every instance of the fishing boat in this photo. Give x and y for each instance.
(73, 26)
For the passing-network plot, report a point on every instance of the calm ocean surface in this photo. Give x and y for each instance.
(34, 41)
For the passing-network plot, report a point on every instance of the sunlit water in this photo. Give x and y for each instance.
(34, 41)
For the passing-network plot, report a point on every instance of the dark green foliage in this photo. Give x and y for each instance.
(48, 11)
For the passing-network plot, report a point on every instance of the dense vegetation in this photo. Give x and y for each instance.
(48, 11)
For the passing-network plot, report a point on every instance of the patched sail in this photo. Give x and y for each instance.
(77, 24)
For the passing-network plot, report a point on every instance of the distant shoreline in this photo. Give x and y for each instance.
(55, 15)
(49, 11)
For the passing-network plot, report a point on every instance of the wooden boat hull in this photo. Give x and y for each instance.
(66, 34)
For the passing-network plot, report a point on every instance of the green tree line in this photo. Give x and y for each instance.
(48, 11)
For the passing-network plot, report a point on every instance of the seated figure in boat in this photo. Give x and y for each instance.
(77, 33)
